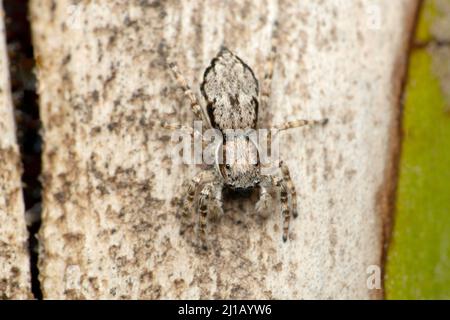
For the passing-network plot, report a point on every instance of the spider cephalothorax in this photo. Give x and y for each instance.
(238, 162)
(231, 92)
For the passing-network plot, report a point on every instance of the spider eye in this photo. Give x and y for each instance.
(228, 166)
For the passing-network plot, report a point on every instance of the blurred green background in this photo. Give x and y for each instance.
(418, 264)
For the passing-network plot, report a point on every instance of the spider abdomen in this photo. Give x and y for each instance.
(231, 91)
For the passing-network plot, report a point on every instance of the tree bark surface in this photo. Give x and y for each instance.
(111, 190)
(14, 259)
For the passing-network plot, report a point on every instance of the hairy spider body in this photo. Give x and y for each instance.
(240, 167)
(231, 92)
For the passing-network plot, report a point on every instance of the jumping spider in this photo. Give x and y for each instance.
(231, 91)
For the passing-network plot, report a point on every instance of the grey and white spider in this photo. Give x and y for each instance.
(231, 92)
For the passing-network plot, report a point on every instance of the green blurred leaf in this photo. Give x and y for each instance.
(418, 265)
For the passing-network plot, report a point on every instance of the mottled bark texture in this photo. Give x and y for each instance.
(110, 228)
(14, 260)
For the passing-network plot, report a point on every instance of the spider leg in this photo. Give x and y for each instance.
(188, 201)
(177, 126)
(268, 74)
(287, 186)
(193, 132)
(275, 130)
(281, 187)
(199, 112)
(298, 124)
(264, 203)
(216, 204)
(203, 202)
(291, 188)
(285, 212)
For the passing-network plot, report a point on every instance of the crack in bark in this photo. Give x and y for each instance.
(23, 86)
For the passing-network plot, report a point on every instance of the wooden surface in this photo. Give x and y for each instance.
(110, 188)
(14, 260)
